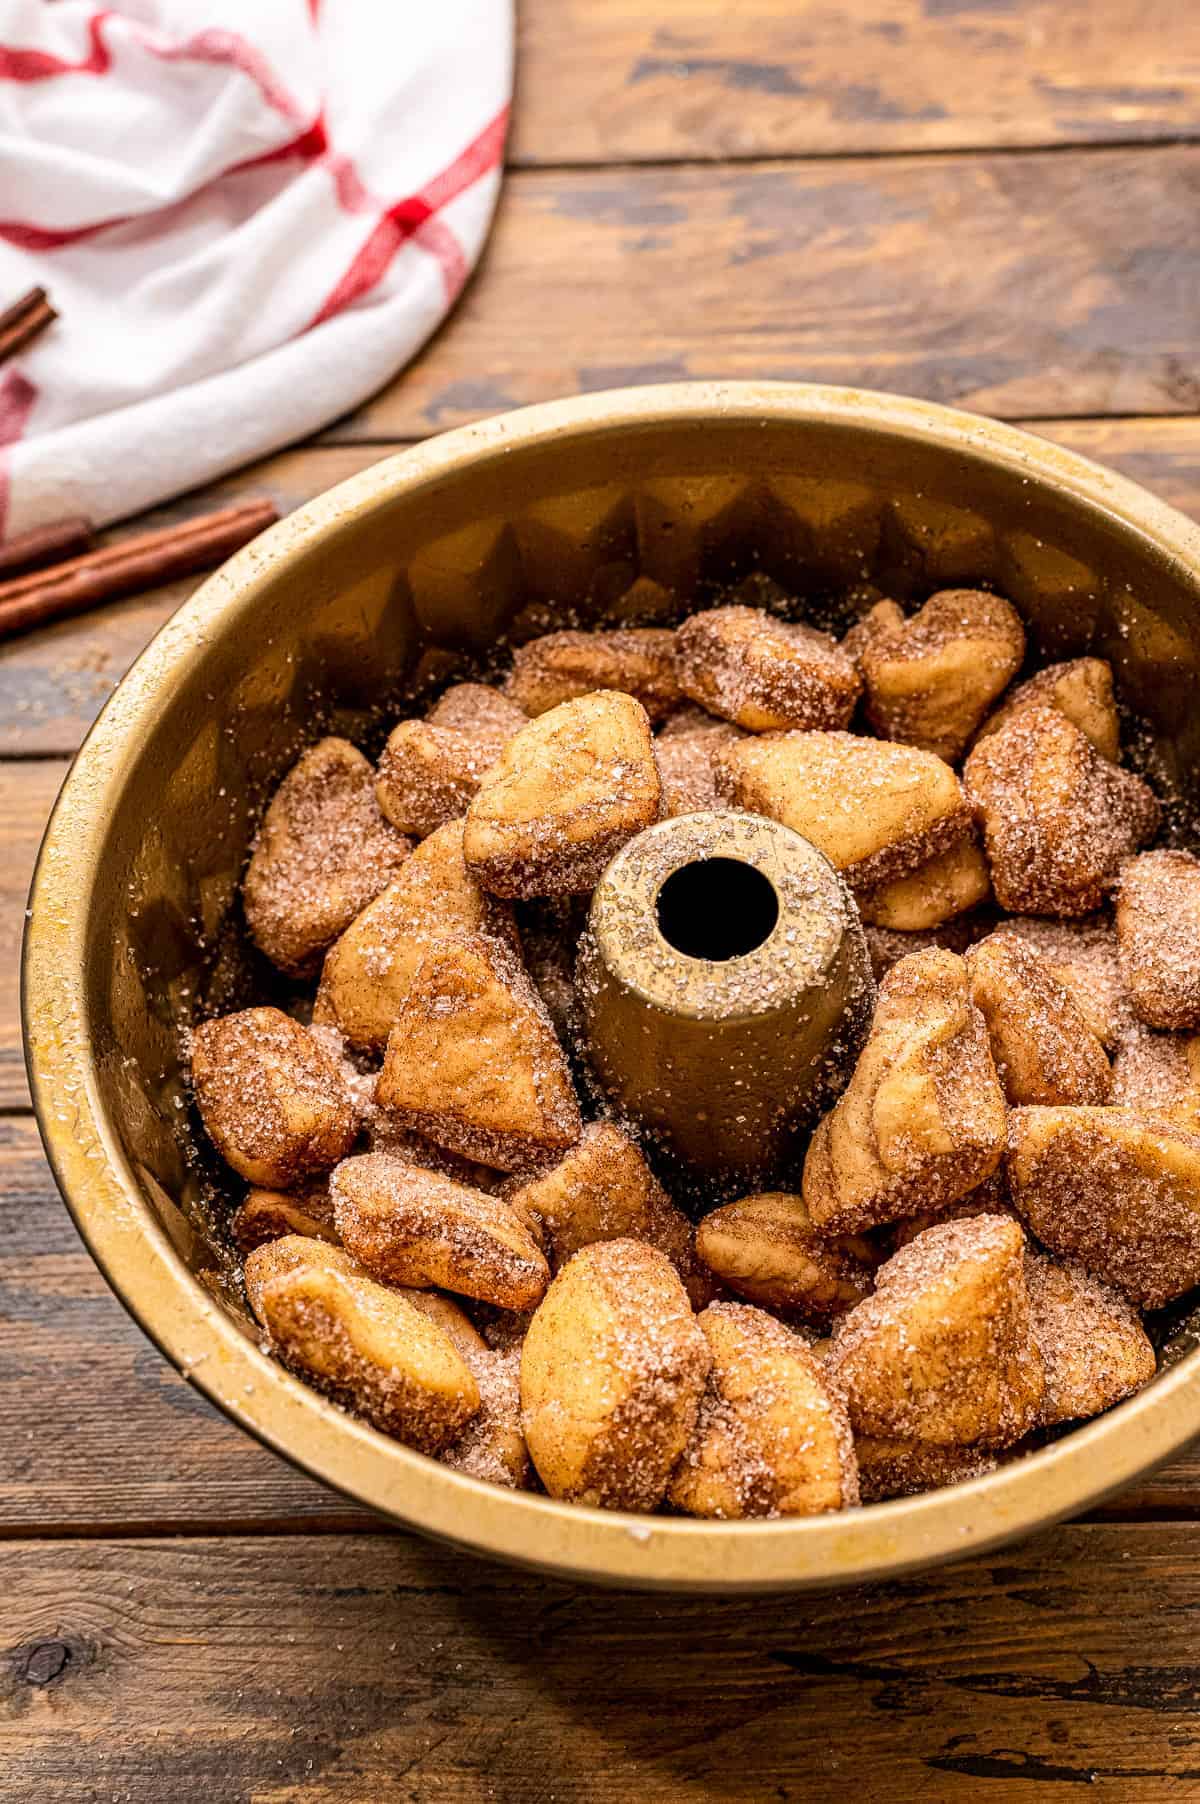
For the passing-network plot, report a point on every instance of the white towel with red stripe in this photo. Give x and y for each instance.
(248, 213)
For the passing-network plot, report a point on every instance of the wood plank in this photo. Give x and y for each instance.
(97, 1427)
(1058, 284)
(698, 78)
(54, 682)
(73, 1364)
(332, 1670)
(27, 792)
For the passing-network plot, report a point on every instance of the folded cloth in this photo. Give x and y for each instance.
(248, 213)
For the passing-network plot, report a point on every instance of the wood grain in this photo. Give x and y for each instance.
(85, 1397)
(337, 1670)
(698, 78)
(1058, 284)
(53, 683)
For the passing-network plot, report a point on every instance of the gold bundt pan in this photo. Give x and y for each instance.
(369, 591)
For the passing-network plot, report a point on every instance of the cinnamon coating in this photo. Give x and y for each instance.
(323, 852)
(921, 1121)
(772, 1437)
(1058, 819)
(931, 679)
(764, 674)
(274, 1104)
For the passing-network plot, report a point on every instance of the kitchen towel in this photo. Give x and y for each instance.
(249, 214)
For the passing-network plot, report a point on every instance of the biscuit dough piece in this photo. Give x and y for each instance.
(895, 1467)
(1159, 1074)
(944, 1351)
(1082, 955)
(367, 974)
(772, 1437)
(559, 667)
(327, 1317)
(430, 768)
(568, 791)
(323, 852)
(931, 679)
(921, 1122)
(685, 764)
(766, 1249)
(273, 1103)
(1114, 1191)
(1058, 819)
(472, 1061)
(1158, 934)
(1044, 1050)
(408, 1225)
(270, 1214)
(877, 811)
(763, 673)
(1082, 690)
(946, 885)
(603, 1189)
(1092, 1341)
(612, 1372)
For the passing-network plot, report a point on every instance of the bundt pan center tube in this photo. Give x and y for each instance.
(726, 988)
(361, 600)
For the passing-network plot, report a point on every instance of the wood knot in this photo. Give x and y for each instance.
(43, 1662)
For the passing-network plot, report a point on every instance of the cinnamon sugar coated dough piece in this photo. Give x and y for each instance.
(895, 1467)
(772, 1437)
(766, 1248)
(491, 1446)
(989, 1198)
(931, 679)
(1082, 955)
(472, 1061)
(408, 1225)
(371, 1343)
(1092, 1341)
(764, 674)
(1159, 1074)
(570, 788)
(685, 764)
(430, 768)
(946, 885)
(1115, 1191)
(1082, 690)
(273, 1103)
(367, 973)
(1158, 933)
(603, 1189)
(1058, 819)
(384, 1134)
(876, 810)
(612, 1372)
(944, 1351)
(1044, 1050)
(270, 1214)
(888, 945)
(562, 666)
(323, 852)
(921, 1121)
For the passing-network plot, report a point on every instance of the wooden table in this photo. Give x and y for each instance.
(992, 202)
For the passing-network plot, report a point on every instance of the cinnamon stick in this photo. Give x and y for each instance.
(22, 322)
(46, 545)
(129, 566)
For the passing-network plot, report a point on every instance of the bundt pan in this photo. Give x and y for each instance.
(326, 624)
